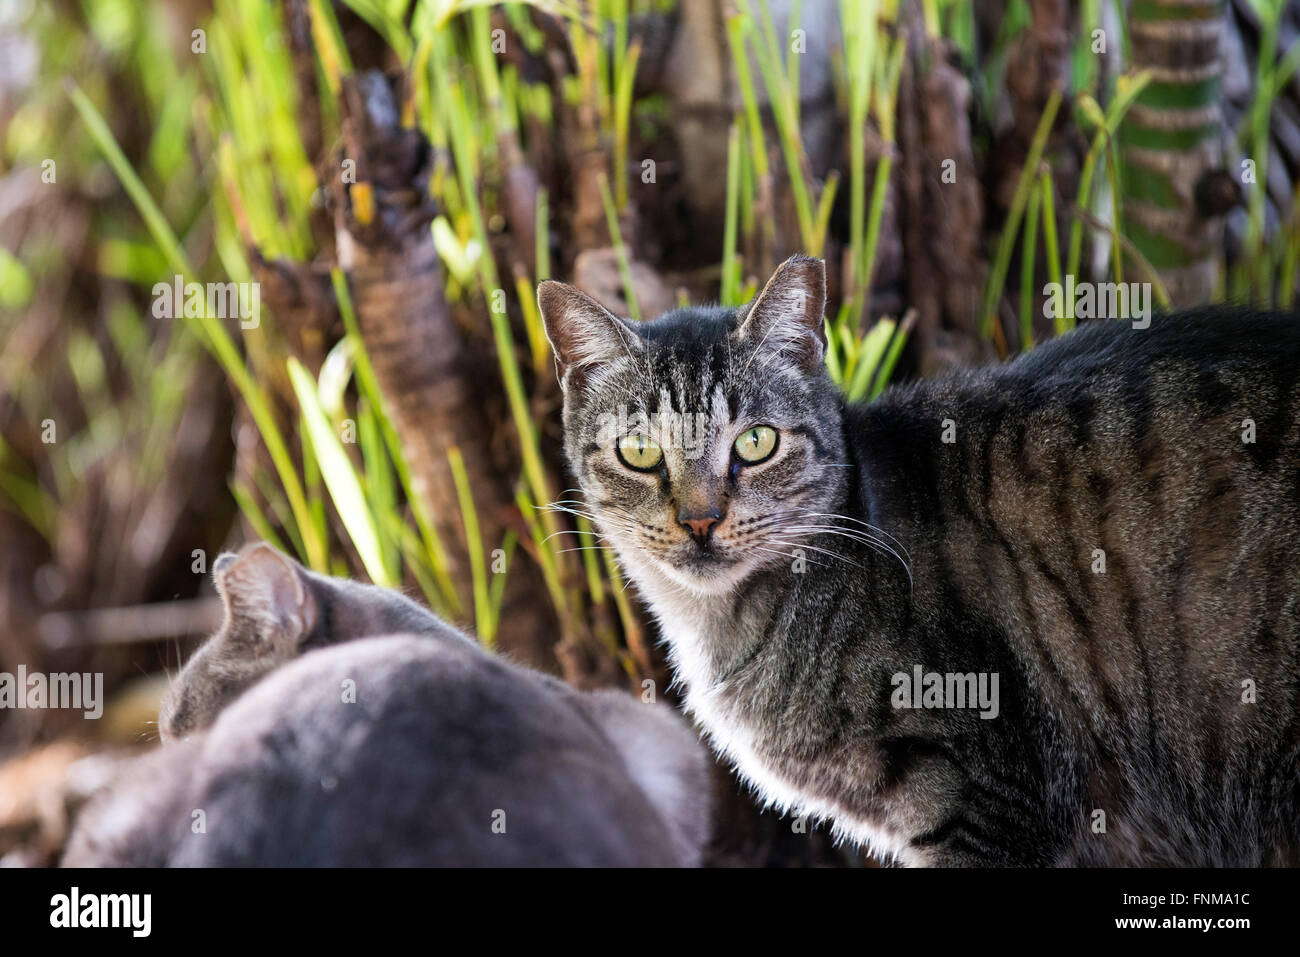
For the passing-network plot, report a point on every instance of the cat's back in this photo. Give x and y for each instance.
(400, 751)
(1199, 406)
(1207, 355)
(1205, 337)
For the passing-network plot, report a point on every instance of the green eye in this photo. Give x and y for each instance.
(640, 452)
(756, 444)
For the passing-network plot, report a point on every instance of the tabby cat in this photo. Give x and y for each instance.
(1041, 613)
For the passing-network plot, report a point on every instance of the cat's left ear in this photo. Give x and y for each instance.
(582, 332)
(266, 596)
(788, 317)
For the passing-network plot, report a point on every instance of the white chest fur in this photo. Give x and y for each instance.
(691, 631)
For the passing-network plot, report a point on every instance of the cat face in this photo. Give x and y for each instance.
(708, 442)
(274, 611)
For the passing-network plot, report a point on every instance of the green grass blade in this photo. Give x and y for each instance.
(340, 477)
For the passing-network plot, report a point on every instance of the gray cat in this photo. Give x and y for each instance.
(394, 751)
(1041, 613)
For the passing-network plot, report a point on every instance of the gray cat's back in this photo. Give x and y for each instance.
(398, 751)
(442, 745)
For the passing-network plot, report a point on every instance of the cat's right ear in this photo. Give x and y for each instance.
(268, 600)
(582, 332)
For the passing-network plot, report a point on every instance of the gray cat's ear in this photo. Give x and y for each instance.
(266, 595)
(788, 317)
(220, 564)
(582, 332)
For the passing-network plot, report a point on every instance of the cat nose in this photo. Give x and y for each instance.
(700, 525)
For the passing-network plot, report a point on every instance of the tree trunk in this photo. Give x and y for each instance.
(1171, 140)
(431, 381)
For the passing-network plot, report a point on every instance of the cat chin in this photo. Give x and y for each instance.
(715, 578)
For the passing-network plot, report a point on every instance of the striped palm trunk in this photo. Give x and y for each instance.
(1171, 138)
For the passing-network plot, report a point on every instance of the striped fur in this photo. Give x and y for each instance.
(1121, 690)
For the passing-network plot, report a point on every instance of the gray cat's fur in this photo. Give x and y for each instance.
(867, 545)
(440, 737)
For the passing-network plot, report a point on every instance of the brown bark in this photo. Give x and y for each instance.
(942, 206)
(430, 379)
(1037, 66)
(519, 191)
